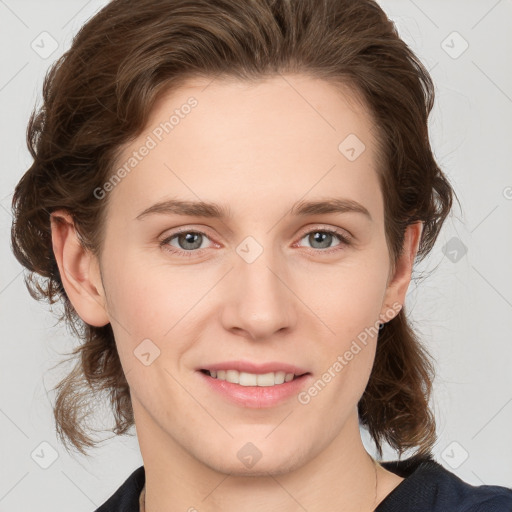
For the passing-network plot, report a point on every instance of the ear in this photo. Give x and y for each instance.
(399, 280)
(79, 271)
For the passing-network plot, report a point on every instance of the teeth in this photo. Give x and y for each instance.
(252, 379)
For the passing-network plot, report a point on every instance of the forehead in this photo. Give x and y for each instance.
(222, 139)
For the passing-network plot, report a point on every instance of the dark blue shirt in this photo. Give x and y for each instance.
(428, 487)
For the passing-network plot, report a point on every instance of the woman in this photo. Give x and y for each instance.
(188, 158)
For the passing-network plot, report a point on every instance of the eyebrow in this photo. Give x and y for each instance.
(218, 211)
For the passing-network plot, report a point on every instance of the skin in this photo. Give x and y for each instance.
(257, 148)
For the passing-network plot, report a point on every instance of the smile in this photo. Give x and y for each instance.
(255, 390)
(252, 379)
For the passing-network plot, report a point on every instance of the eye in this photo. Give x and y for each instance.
(187, 242)
(321, 239)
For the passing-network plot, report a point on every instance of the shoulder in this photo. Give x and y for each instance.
(126, 498)
(429, 487)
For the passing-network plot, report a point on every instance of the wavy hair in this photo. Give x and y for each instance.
(99, 95)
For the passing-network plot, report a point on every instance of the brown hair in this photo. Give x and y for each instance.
(98, 96)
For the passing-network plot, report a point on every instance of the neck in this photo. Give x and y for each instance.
(340, 477)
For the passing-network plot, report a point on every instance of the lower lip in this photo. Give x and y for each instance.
(256, 397)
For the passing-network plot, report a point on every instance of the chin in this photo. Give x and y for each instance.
(260, 469)
(250, 462)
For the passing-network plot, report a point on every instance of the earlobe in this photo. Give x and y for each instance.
(79, 271)
(401, 278)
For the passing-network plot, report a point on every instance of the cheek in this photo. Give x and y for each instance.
(349, 297)
(141, 304)
(347, 357)
(350, 309)
(159, 303)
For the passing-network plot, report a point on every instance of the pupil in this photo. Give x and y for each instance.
(190, 238)
(321, 238)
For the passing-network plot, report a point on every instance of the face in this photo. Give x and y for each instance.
(263, 283)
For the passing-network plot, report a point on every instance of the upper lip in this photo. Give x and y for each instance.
(259, 368)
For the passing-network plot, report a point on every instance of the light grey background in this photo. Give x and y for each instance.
(463, 311)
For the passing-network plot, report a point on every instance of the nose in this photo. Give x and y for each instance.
(261, 298)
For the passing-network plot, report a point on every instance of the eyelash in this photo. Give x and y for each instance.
(345, 241)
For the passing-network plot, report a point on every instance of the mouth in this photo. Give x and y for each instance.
(257, 385)
(247, 379)
(255, 390)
